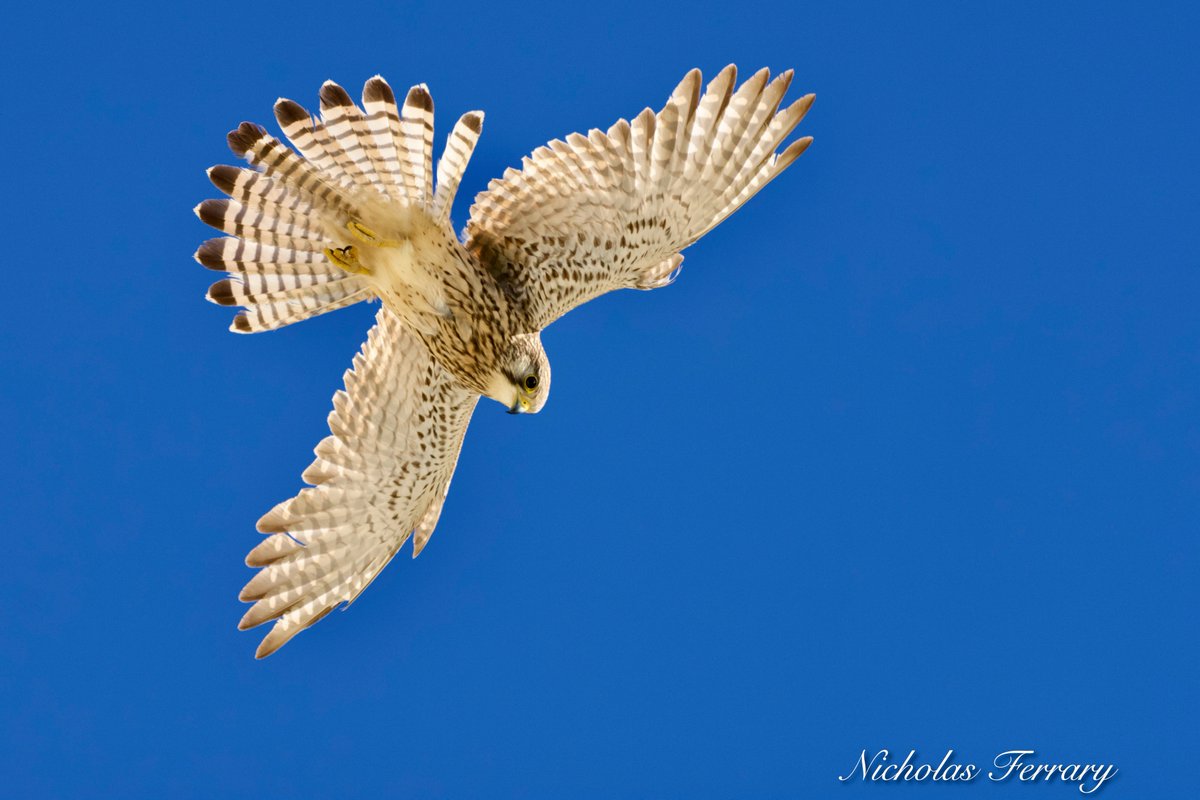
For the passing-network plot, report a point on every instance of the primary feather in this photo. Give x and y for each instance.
(610, 210)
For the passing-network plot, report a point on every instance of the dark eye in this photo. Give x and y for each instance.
(531, 382)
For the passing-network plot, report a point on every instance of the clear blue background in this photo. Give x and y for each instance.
(908, 458)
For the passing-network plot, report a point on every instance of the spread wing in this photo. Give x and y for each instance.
(381, 476)
(612, 210)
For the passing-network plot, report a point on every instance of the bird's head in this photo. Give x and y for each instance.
(521, 382)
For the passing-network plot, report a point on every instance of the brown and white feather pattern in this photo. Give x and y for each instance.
(613, 209)
(585, 215)
(384, 471)
(453, 163)
(285, 213)
(283, 218)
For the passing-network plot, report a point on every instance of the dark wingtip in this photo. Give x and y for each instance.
(474, 121)
(289, 112)
(241, 324)
(244, 137)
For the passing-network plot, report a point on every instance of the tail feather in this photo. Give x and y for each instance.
(254, 217)
(311, 139)
(255, 290)
(277, 315)
(340, 140)
(256, 258)
(235, 292)
(453, 163)
(383, 121)
(314, 138)
(416, 134)
(241, 184)
(294, 206)
(269, 154)
(348, 126)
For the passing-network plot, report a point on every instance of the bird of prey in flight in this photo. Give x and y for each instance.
(358, 212)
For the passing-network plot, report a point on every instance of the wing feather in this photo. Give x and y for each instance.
(384, 472)
(611, 210)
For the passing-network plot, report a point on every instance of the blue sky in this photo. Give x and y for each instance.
(907, 458)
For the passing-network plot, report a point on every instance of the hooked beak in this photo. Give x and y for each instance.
(519, 406)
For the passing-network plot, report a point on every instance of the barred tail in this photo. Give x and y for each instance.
(285, 215)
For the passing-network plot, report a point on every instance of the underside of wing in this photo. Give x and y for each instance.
(383, 473)
(612, 210)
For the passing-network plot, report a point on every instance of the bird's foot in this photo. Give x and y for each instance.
(346, 258)
(368, 236)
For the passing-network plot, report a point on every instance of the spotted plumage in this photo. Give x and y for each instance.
(353, 214)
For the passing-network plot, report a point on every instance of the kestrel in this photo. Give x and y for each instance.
(354, 215)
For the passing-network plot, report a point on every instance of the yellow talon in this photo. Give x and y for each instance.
(368, 236)
(347, 259)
